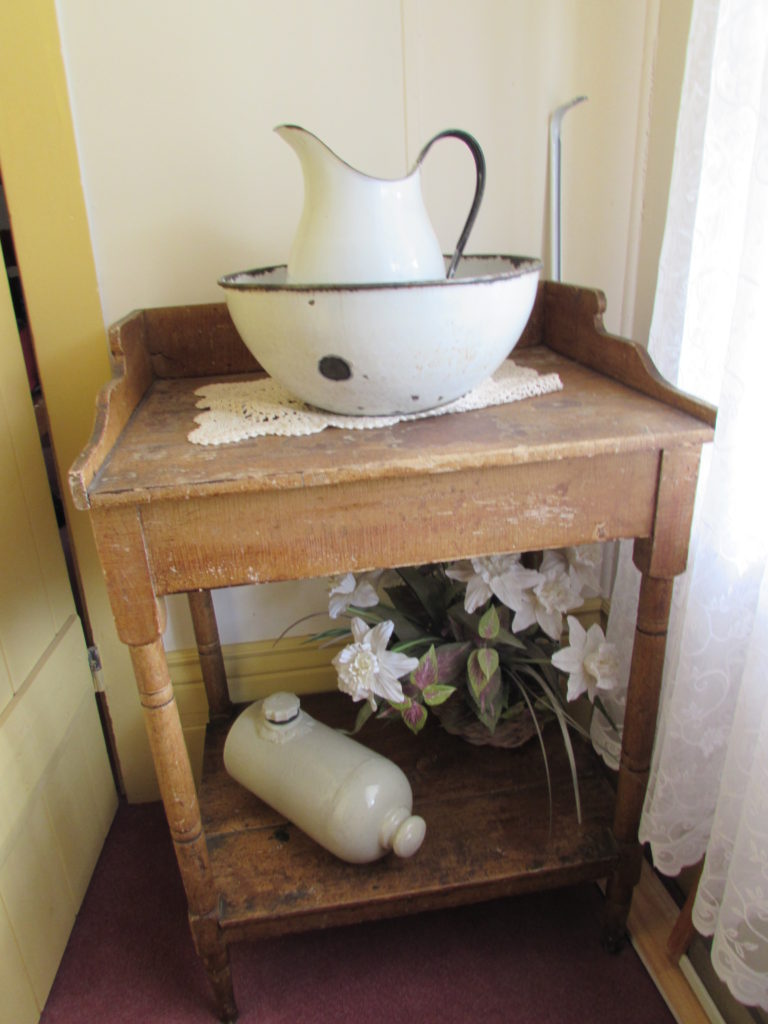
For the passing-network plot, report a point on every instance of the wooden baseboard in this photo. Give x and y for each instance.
(257, 669)
(254, 670)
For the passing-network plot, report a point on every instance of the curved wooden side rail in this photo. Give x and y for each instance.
(573, 326)
(131, 377)
(156, 344)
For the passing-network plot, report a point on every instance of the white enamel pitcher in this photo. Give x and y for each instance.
(356, 229)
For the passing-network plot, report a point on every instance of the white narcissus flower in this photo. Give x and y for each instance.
(503, 576)
(366, 669)
(546, 603)
(591, 662)
(584, 564)
(346, 591)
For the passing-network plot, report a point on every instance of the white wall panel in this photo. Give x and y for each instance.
(183, 176)
(499, 69)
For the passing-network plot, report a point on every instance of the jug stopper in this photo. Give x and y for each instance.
(281, 708)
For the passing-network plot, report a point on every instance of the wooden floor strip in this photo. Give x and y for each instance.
(651, 919)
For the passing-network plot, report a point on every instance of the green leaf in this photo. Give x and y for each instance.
(469, 624)
(405, 627)
(486, 659)
(484, 679)
(601, 708)
(489, 712)
(422, 641)
(425, 673)
(489, 624)
(375, 614)
(504, 636)
(563, 723)
(363, 715)
(414, 715)
(297, 622)
(465, 624)
(452, 661)
(437, 694)
(429, 590)
(401, 705)
(330, 634)
(542, 745)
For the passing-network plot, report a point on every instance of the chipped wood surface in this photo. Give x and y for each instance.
(245, 538)
(591, 416)
(573, 325)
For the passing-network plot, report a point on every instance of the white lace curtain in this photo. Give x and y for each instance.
(708, 793)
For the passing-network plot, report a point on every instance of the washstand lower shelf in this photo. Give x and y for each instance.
(489, 832)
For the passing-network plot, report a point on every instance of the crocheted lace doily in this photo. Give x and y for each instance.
(256, 408)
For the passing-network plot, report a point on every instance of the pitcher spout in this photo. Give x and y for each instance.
(308, 147)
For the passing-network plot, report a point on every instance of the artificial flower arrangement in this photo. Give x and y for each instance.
(477, 643)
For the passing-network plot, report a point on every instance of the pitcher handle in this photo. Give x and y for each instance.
(477, 153)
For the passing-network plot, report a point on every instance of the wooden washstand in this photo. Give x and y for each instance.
(615, 454)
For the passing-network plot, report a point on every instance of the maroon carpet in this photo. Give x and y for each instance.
(524, 960)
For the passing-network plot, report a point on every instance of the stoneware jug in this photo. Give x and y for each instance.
(349, 799)
(356, 229)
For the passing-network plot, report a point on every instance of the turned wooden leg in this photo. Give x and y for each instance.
(660, 558)
(182, 810)
(209, 651)
(640, 726)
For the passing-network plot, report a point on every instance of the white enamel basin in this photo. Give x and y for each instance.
(384, 349)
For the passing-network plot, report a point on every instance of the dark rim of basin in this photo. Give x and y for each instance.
(505, 267)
